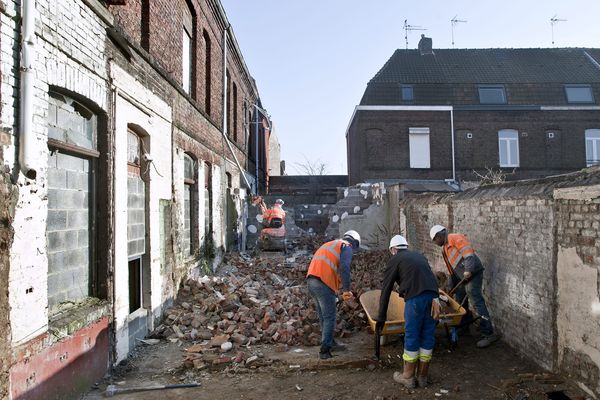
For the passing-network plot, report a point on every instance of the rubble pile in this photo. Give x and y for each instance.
(260, 300)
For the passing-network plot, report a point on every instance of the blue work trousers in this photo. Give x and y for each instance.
(419, 334)
(472, 290)
(325, 300)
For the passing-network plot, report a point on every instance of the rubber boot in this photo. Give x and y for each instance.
(407, 377)
(422, 374)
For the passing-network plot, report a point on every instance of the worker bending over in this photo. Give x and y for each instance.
(418, 286)
(329, 269)
(273, 217)
(462, 262)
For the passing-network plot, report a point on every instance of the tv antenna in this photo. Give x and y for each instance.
(408, 27)
(553, 21)
(455, 21)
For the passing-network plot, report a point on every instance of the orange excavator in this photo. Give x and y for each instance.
(272, 235)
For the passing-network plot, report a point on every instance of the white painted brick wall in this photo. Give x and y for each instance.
(66, 59)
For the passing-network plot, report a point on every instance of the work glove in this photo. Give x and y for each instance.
(435, 309)
(467, 276)
(347, 296)
(379, 327)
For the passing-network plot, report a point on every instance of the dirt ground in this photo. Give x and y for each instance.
(466, 373)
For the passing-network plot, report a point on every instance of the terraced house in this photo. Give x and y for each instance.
(450, 114)
(131, 133)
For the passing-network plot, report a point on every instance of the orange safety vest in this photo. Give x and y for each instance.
(455, 250)
(326, 262)
(275, 212)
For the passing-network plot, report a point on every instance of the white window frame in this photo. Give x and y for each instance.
(508, 138)
(419, 148)
(500, 88)
(186, 61)
(592, 147)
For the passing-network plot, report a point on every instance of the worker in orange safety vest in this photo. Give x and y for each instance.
(328, 271)
(276, 213)
(464, 265)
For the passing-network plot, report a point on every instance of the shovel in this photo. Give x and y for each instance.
(112, 390)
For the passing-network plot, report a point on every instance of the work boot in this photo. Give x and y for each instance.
(422, 374)
(325, 355)
(407, 377)
(339, 346)
(487, 340)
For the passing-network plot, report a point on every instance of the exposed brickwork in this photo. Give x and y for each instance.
(516, 229)
(378, 143)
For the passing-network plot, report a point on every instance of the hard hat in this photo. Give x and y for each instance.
(398, 241)
(279, 201)
(353, 235)
(435, 230)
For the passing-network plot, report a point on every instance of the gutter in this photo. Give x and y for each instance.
(27, 156)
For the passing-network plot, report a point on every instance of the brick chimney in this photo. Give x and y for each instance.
(425, 45)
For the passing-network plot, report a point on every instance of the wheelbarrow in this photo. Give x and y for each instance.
(450, 315)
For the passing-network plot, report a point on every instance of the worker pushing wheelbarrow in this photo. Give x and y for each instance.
(416, 314)
(272, 235)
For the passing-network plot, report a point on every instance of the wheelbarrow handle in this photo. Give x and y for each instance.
(377, 344)
(455, 288)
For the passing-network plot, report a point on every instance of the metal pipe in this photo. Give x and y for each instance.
(256, 147)
(452, 134)
(27, 157)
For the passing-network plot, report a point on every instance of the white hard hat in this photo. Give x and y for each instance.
(279, 201)
(435, 230)
(354, 235)
(398, 241)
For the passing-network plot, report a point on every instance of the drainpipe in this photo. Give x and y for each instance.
(452, 135)
(256, 146)
(27, 157)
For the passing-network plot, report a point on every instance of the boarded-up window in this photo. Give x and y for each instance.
(188, 203)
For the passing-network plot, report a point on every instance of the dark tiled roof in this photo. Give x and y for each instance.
(564, 65)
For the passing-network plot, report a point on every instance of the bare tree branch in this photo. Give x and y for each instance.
(309, 167)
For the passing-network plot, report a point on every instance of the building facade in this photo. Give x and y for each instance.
(127, 158)
(456, 114)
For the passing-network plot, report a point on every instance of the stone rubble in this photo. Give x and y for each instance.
(260, 300)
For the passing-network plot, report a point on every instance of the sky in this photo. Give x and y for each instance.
(312, 59)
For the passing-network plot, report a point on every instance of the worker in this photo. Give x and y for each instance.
(463, 263)
(329, 269)
(418, 286)
(275, 216)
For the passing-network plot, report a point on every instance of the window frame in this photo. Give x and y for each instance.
(506, 141)
(412, 93)
(491, 87)
(414, 162)
(579, 86)
(592, 136)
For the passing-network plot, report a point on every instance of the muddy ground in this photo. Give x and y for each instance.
(465, 373)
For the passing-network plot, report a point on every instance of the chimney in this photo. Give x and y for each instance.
(425, 45)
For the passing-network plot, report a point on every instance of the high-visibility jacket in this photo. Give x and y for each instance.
(325, 264)
(275, 212)
(456, 250)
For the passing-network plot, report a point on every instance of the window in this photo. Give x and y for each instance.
(235, 113)
(188, 50)
(135, 284)
(592, 147)
(508, 148)
(207, 71)
(419, 147)
(579, 94)
(407, 93)
(188, 203)
(492, 95)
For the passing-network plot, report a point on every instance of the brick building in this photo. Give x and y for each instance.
(131, 134)
(443, 114)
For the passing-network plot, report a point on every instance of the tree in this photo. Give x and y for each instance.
(309, 167)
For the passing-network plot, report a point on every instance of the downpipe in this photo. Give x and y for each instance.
(27, 156)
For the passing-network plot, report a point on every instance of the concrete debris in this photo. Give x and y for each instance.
(262, 303)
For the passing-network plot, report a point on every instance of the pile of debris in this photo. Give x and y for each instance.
(260, 300)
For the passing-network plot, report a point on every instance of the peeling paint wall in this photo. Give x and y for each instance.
(578, 278)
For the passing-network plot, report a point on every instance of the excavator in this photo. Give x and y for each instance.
(272, 235)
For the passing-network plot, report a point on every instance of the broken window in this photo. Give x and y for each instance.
(71, 186)
(592, 147)
(207, 72)
(419, 147)
(508, 148)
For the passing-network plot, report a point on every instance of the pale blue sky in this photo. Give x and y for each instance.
(312, 59)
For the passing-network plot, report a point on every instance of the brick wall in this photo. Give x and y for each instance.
(378, 143)
(539, 243)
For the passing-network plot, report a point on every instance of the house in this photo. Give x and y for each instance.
(450, 114)
(126, 160)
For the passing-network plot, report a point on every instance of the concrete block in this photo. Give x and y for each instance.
(57, 220)
(56, 241)
(77, 219)
(57, 178)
